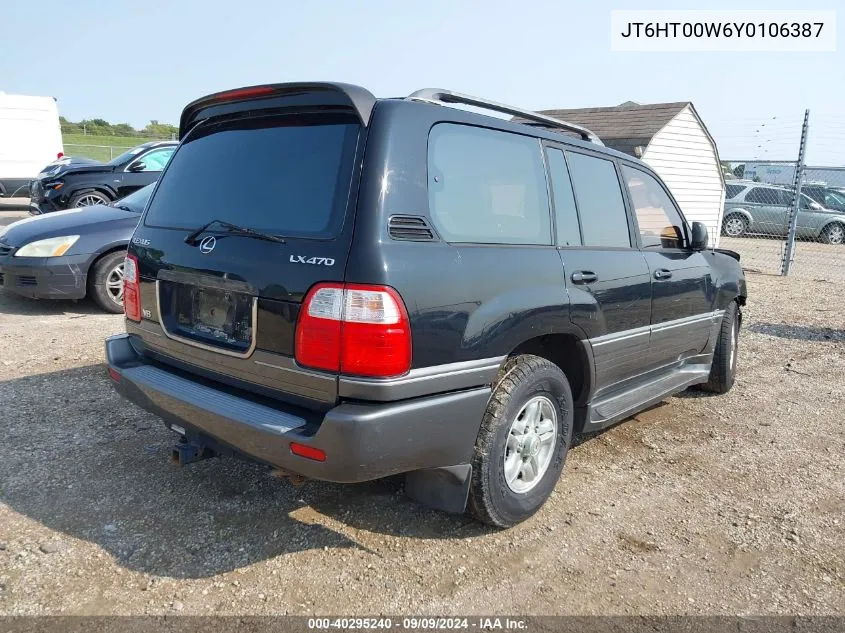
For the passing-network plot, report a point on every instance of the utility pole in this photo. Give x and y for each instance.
(789, 251)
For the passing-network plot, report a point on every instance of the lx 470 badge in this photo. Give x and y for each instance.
(318, 261)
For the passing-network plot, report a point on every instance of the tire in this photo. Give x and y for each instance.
(833, 233)
(496, 497)
(735, 225)
(88, 198)
(102, 280)
(723, 369)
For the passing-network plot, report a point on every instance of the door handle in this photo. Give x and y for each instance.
(584, 277)
(662, 274)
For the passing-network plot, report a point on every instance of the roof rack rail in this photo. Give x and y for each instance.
(436, 95)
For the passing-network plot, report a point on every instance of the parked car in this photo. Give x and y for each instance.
(73, 253)
(84, 182)
(755, 208)
(425, 290)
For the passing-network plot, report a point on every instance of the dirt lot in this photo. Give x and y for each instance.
(732, 504)
(811, 260)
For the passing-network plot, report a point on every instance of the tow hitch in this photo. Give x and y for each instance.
(185, 452)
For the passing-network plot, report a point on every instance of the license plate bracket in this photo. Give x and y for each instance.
(208, 317)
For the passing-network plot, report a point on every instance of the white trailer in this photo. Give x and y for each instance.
(30, 139)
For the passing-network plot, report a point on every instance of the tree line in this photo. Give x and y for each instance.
(100, 127)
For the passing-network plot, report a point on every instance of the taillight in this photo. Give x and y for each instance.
(131, 289)
(354, 329)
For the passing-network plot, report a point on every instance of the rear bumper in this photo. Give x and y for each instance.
(362, 441)
(45, 278)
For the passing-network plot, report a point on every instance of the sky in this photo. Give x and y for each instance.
(138, 61)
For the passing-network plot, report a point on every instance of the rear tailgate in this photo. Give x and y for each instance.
(226, 305)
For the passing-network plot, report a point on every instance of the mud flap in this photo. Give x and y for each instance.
(445, 489)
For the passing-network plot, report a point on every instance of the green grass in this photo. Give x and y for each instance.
(102, 148)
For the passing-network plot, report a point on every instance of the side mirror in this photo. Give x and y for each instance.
(699, 237)
(139, 166)
(815, 206)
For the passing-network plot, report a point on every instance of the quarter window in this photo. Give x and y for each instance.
(732, 191)
(486, 186)
(604, 221)
(659, 220)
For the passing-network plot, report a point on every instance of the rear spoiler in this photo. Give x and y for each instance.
(279, 96)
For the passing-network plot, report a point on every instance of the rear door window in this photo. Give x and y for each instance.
(604, 221)
(763, 195)
(487, 186)
(566, 215)
(286, 175)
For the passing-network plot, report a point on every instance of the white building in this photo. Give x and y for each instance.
(673, 140)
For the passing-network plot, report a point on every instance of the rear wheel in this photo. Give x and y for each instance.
(522, 443)
(723, 369)
(88, 199)
(833, 234)
(734, 226)
(106, 282)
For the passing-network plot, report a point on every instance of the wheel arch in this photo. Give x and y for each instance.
(832, 221)
(737, 211)
(571, 352)
(104, 252)
(104, 189)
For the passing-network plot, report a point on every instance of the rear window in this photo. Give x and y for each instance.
(286, 175)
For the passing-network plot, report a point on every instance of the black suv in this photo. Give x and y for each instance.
(399, 286)
(81, 182)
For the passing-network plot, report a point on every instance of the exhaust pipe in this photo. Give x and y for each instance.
(185, 453)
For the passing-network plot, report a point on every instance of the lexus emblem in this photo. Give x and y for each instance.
(207, 245)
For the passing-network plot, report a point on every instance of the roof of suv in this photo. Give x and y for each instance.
(363, 102)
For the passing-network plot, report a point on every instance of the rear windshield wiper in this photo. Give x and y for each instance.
(191, 238)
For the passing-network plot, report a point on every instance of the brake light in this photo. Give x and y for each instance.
(131, 289)
(59, 155)
(244, 93)
(354, 329)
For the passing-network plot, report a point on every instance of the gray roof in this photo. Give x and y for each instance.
(623, 127)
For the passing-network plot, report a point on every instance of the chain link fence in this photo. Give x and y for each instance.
(788, 216)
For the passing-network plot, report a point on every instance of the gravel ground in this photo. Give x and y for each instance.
(716, 505)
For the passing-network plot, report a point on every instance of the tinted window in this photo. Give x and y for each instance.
(566, 216)
(763, 195)
(604, 221)
(283, 175)
(732, 191)
(156, 159)
(487, 187)
(125, 156)
(659, 221)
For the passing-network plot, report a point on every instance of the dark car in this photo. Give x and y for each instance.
(367, 287)
(73, 253)
(79, 182)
